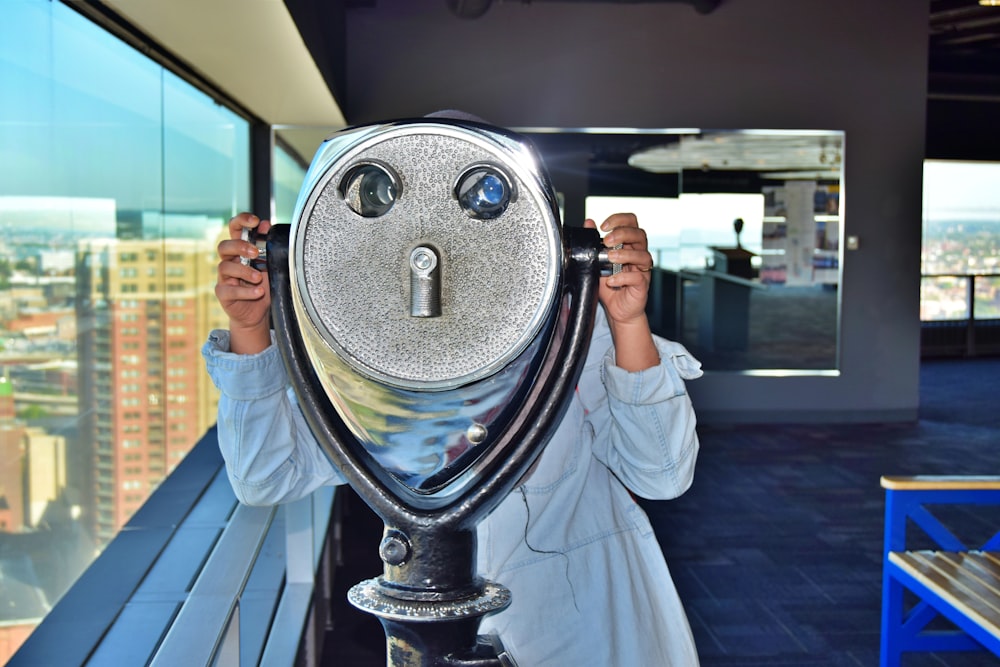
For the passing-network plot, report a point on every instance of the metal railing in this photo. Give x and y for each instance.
(965, 317)
(195, 578)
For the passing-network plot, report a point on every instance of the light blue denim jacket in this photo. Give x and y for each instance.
(588, 580)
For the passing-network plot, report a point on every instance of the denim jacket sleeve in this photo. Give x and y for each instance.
(271, 455)
(644, 422)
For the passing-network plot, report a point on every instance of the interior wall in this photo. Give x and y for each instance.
(853, 65)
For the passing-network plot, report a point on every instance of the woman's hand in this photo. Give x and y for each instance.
(624, 294)
(242, 290)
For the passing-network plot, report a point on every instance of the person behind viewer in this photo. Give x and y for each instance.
(588, 580)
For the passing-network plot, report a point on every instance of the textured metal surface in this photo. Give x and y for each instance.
(429, 598)
(369, 595)
(497, 277)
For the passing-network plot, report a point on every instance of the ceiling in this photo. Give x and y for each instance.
(964, 50)
(964, 40)
(473, 9)
(963, 68)
(277, 79)
(269, 73)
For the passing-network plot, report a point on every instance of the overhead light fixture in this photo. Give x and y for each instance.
(989, 3)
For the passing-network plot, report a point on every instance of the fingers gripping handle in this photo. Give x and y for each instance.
(607, 268)
(260, 240)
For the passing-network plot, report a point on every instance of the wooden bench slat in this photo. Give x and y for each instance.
(986, 567)
(941, 482)
(944, 573)
(964, 579)
(966, 569)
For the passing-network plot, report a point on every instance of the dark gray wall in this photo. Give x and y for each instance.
(852, 65)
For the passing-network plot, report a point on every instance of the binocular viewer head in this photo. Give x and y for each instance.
(433, 316)
(428, 293)
(426, 262)
(427, 255)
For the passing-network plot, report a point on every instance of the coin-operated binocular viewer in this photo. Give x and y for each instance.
(433, 316)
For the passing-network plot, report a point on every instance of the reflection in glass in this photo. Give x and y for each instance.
(747, 249)
(288, 176)
(116, 180)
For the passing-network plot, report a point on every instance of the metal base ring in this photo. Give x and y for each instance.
(370, 596)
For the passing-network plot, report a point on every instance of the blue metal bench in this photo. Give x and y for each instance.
(952, 580)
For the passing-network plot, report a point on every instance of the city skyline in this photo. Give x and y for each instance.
(102, 393)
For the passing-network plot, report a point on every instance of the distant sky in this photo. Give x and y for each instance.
(83, 115)
(969, 190)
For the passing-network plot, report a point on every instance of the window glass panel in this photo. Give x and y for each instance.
(116, 180)
(961, 237)
(206, 156)
(987, 297)
(944, 298)
(961, 217)
(288, 177)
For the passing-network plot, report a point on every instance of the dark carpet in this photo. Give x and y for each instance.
(776, 549)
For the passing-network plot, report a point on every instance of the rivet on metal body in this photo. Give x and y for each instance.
(476, 433)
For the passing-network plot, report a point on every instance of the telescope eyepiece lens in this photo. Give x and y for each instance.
(370, 189)
(484, 192)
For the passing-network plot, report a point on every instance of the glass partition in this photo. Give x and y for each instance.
(116, 181)
(289, 173)
(294, 147)
(745, 229)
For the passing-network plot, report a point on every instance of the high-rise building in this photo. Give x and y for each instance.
(32, 478)
(11, 462)
(143, 310)
(44, 472)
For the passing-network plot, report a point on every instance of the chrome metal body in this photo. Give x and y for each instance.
(428, 355)
(433, 319)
